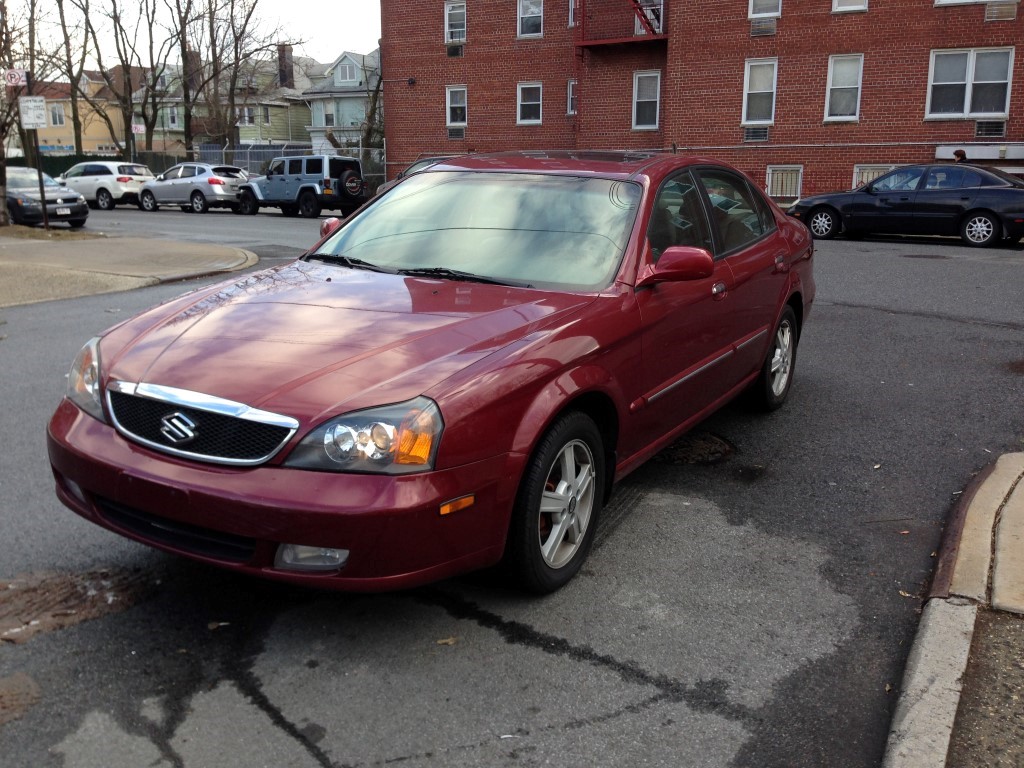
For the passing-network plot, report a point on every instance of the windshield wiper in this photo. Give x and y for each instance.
(349, 261)
(454, 274)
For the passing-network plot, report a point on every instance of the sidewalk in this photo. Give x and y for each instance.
(969, 647)
(33, 270)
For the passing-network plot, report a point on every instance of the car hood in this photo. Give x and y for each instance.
(52, 193)
(310, 339)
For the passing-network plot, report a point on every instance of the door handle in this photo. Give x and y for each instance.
(718, 290)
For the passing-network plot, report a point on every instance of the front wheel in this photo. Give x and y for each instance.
(770, 389)
(148, 201)
(823, 223)
(199, 204)
(247, 205)
(979, 229)
(558, 505)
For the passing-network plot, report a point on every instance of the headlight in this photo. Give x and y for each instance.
(81, 199)
(394, 440)
(84, 380)
(29, 202)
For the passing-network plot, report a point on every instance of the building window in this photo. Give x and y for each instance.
(172, 116)
(844, 78)
(572, 13)
(784, 182)
(456, 101)
(862, 174)
(765, 9)
(56, 115)
(654, 11)
(345, 73)
(455, 22)
(646, 93)
(531, 18)
(529, 103)
(246, 115)
(838, 6)
(570, 107)
(970, 83)
(759, 92)
(266, 115)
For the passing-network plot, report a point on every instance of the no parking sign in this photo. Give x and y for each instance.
(15, 77)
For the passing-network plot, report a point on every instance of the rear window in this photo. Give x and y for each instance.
(134, 170)
(229, 171)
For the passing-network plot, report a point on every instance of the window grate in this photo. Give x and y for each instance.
(456, 133)
(756, 134)
(990, 129)
(455, 51)
(762, 27)
(1001, 11)
(784, 182)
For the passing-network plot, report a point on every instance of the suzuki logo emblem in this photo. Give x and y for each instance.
(178, 428)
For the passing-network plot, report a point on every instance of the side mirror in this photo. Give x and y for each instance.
(329, 226)
(678, 263)
(870, 188)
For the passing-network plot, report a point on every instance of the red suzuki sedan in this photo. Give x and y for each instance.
(453, 378)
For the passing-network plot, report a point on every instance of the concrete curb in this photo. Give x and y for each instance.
(988, 569)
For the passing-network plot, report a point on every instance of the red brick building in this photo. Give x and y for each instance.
(804, 95)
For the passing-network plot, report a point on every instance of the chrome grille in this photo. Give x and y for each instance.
(197, 426)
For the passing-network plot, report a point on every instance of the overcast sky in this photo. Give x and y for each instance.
(328, 26)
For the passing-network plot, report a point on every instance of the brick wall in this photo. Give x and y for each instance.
(701, 58)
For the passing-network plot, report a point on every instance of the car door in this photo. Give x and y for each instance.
(686, 338)
(948, 192)
(76, 179)
(163, 189)
(748, 239)
(274, 184)
(887, 203)
(293, 179)
(183, 185)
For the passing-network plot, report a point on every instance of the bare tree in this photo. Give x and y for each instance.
(72, 66)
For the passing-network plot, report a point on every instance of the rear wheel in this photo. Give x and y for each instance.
(823, 223)
(148, 202)
(558, 505)
(979, 229)
(770, 389)
(309, 206)
(104, 200)
(199, 204)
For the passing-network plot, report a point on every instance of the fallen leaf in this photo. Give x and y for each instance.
(888, 687)
(905, 594)
(447, 641)
(904, 533)
(218, 624)
(877, 466)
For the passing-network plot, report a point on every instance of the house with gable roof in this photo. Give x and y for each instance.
(340, 101)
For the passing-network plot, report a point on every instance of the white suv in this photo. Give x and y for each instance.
(105, 184)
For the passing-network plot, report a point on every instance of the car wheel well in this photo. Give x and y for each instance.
(601, 410)
(796, 302)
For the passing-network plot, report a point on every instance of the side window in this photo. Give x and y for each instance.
(276, 167)
(74, 172)
(172, 173)
(188, 171)
(900, 180)
(736, 217)
(678, 217)
(315, 166)
(944, 178)
(295, 166)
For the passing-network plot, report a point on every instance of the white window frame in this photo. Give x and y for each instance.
(647, 7)
(448, 91)
(849, 6)
(520, 103)
(172, 116)
(866, 172)
(771, 172)
(57, 118)
(571, 104)
(347, 69)
(265, 109)
(828, 89)
(329, 114)
(245, 116)
(746, 89)
(969, 84)
(572, 13)
(764, 14)
(962, 2)
(637, 76)
(448, 30)
(520, 17)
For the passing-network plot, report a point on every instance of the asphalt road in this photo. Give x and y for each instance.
(750, 601)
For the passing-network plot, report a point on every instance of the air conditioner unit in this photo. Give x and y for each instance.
(456, 133)
(760, 133)
(762, 27)
(990, 129)
(1000, 11)
(454, 51)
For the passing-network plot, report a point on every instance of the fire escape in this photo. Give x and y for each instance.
(619, 22)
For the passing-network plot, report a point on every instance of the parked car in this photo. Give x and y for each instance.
(451, 378)
(981, 205)
(419, 165)
(25, 206)
(107, 184)
(304, 186)
(195, 187)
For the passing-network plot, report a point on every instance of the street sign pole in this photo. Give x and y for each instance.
(39, 173)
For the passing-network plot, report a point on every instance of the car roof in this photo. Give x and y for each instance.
(613, 164)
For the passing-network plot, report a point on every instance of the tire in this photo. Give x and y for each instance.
(77, 223)
(104, 200)
(772, 386)
(247, 205)
(148, 202)
(351, 185)
(554, 519)
(980, 229)
(823, 223)
(199, 204)
(309, 206)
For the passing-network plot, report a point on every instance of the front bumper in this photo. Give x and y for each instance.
(55, 212)
(237, 518)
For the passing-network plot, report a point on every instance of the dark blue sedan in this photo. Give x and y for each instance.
(982, 205)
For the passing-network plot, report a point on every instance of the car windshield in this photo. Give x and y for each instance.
(562, 232)
(27, 177)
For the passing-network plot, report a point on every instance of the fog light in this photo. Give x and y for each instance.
(298, 557)
(75, 490)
